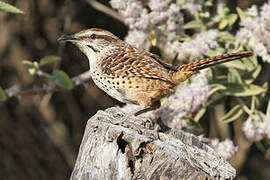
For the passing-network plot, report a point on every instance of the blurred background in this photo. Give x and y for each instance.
(40, 134)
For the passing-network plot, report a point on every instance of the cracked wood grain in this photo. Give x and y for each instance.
(117, 145)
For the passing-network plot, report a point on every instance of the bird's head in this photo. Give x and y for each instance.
(94, 42)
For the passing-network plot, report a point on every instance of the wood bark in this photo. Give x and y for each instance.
(117, 145)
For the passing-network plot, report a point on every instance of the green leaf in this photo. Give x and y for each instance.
(232, 18)
(254, 103)
(210, 74)
(204, 14)
(61, 79)
(233, 114)
(199, 114)
(249, 64)
(234, 76)
(241, 13)
(48, 60)
(211, 52)
(226, 36)
(3, 97)
(251, 76)
(226, 10)
(208, 3)
(153, 37)
(242, 89)
(268, 107)
(254, 60)
(214, 52)
(265, 86)
(223, 23)
(235, 64)
(9, 8)
(195, 24)
(216, 87)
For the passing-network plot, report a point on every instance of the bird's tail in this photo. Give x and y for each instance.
(208, 62)
(187, 70)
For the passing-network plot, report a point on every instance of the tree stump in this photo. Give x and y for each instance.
(121, 146)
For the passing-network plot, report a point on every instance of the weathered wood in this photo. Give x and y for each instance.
(121, 146)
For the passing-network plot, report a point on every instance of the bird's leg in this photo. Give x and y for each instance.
(154, 106)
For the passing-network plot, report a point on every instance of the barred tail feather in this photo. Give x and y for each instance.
(187, 70)
(208, 62)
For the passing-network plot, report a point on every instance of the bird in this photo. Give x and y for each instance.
(133, 75)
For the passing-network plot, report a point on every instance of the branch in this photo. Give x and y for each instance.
(106, 10)
(246, 109)
(80, 79)
(15, 91)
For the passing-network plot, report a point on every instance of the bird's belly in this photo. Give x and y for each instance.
(135, 90)
(109, 85)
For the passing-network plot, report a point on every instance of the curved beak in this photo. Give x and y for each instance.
(66, 37)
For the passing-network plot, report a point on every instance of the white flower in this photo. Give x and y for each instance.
(137, 38)
(119, 4)
(158, 5)
(253, 11)
(225, 149)
(187, 98)
(255, 31)
(253, 129)
(266, 125)
(203, 42)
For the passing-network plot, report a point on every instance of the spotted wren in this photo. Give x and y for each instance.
(133, 75)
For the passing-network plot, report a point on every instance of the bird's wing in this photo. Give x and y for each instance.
(132, 62)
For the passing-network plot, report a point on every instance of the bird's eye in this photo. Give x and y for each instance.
(93, 36)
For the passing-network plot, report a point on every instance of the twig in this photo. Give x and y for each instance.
(106, 10)
(43, 74)
(15, 91)
(37, 70)
(246, 109)
(80, 79)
